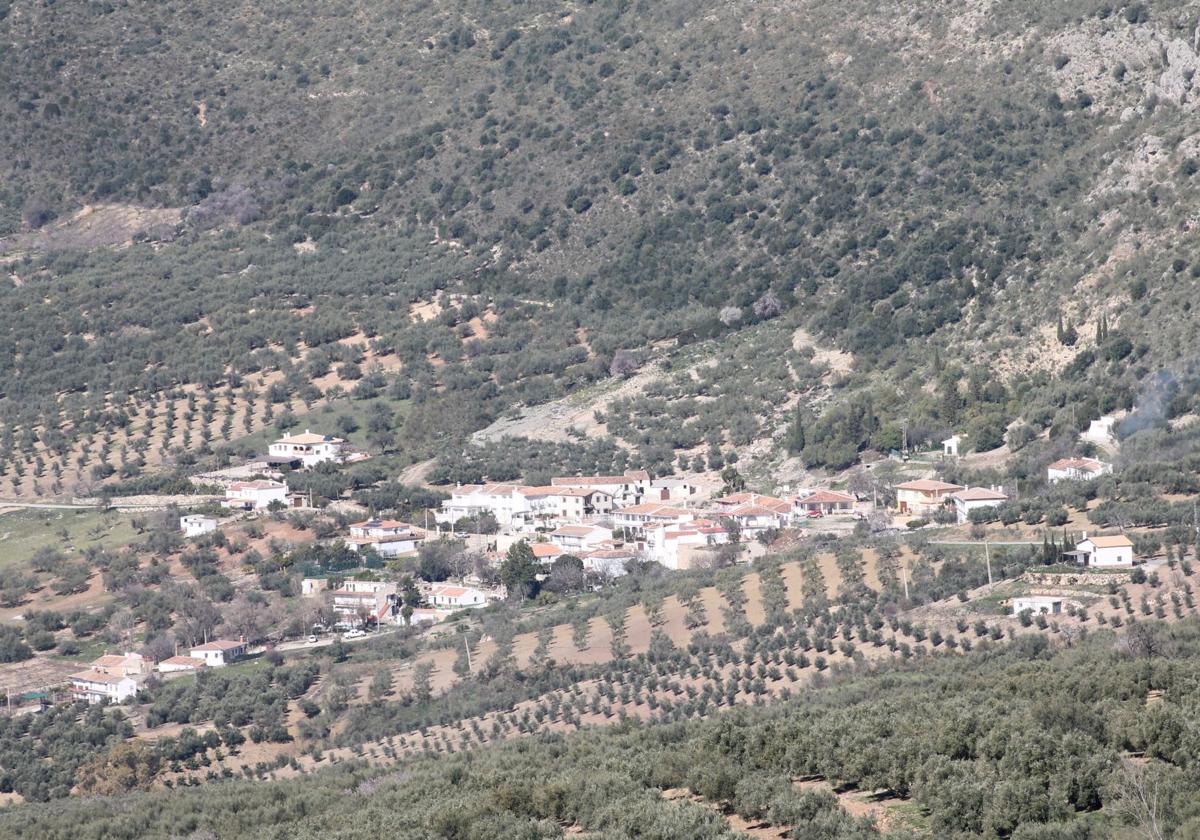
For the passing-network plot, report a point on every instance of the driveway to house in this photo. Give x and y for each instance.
(324, 641)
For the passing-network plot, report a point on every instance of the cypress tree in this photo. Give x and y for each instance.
(796, 439)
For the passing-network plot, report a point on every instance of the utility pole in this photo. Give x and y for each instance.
(987, 554)
(904, 577)
(467, 648)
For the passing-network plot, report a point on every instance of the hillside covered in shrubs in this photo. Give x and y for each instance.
(993, 200)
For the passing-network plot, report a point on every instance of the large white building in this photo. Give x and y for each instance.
(255, 495)
(505, 502)
(114, 677)
(636, 517)
(1114, 551)
(358, 604)
(565, 504)
(308, 448)
(388, 537)
(1076, 469)
(452, 597)
(517, 506)
(627, 489)
(975, 498)
(96, 686)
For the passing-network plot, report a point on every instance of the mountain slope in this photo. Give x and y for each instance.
(901, 179)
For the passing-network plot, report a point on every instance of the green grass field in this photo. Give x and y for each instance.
(24, 531)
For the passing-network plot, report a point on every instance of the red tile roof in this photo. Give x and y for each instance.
(388, 524)
(220, 644)
(752, 509)
(1089, 464)
(576, 531)
(826, 497)
(980, 494)
(308, 439)
(654, 509)
(99, 677)
(1114, 541)
(928, 485)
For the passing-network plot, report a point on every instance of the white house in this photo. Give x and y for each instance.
(114, 677)
(505, 502)
(754, 518)
(635, 517)
(824, 502)
(195, 525)
(1102, 431)
(576, 538)
(308, 448)
(951, 444)
(359, 585)
(96, 686)
(565, 504)
(725, 504)
(388, 537)
(364, 605)
(675, 545)
(123, 664)
(626, 489)
(448, 596)
(1037, 604)
(609, 562)
(255, 495)
(219, 653)
(176, 664)
(421, 615)
(1104, 552)
(670, 490)
(1076, 469)
(546, 553)
(975, 498)
(311, 587)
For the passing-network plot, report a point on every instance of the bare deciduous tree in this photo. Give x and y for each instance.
(1138, 799)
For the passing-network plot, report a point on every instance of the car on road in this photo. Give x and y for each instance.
(356, 634)
(312, 640)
